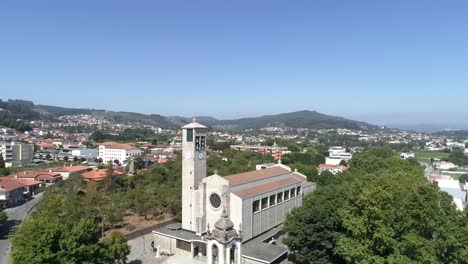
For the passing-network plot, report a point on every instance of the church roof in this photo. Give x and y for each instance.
(194, 125)
(251, 176)
(270, 186)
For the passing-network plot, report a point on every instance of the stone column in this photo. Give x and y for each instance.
(221, 254)
(209, 252)
(228, 255)
(239, 252)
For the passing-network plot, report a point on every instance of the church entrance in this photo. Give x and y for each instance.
(199, 249)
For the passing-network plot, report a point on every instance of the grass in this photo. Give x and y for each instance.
(426, 155)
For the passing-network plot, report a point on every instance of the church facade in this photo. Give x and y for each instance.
(231, 219)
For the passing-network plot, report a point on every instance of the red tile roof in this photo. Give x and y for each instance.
(70, 169)
(37, 175)
(251, 176)
(7, 184)
(267, 187)
(95, 175)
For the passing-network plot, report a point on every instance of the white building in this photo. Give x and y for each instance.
(230, 219)
(339, 153)
(16, 153)
(111, 151)
(407, 155)
(445, 165)
(84, 152)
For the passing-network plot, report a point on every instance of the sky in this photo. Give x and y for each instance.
(386, 62)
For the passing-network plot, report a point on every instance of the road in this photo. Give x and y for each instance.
(15, 215)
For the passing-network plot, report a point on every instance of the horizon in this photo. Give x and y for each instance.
(383, 63)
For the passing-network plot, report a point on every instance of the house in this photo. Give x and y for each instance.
(407, 155)
(445, 165)
(65, 171)
(14, 191)
(230, 219)
(341, 153)
(99, 175)
(335, 169)
(46, 178)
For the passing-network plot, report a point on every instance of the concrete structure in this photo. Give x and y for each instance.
(111, 151)
(457, 190)
(16, 153)
(85, 153)
(246, 209)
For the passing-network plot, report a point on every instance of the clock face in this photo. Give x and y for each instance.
(188, 156)
(215, 200)
(200, 155)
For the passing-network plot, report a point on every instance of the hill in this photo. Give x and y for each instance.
(17, 113)
(300, 119)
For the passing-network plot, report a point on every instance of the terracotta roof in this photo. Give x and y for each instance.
(8, 185)
(307, 184)
(246, 193)
(37, 175)
(95, 175)
(25, 182)
(250, 176)
(115, 145)
(70, 169)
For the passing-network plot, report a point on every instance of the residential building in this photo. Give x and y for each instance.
(276, 151)
(16, 153)
(46, 178)
(228, 219)
(111, 151)
(335, 169)
(65, 171)
(14, 191)
(339, 153)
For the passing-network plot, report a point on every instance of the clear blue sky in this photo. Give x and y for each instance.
(380, 61)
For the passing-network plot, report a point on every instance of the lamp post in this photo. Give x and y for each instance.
(144, 242)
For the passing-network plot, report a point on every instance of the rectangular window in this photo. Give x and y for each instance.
(273, 200)
(264, 203)
(298, 190)
(256, 206)
(286, 195)
(189, 135)
(280, 197)
(293, 192)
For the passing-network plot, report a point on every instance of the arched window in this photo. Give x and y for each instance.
(215, 254)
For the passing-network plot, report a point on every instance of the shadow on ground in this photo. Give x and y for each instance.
(6, 228)
(135, 262)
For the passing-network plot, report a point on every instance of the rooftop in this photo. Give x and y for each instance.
(115, 145)
(246, 193)
(256, 175)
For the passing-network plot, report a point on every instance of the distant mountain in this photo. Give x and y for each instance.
(301, 119)
(453, 133)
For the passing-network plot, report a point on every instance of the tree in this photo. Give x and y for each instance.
(343, 163)
(463, 178)
(3, 217)
(76, 159)
(117, 162)
(48, 156)
(117, 248)
(65, 158)
(82, 159)
(2, 161)
(458, 157)
(388, 213)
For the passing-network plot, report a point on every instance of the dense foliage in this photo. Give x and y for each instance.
(458, 157)
(381, 211)
(57, 234)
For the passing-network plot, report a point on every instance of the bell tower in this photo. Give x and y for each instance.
(193, 171)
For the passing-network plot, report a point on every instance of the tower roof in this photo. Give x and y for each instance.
(193, 125)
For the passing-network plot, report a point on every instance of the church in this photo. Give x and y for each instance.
(233, 219)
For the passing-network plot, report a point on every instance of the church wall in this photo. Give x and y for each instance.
(235, 212)
(218, 185)
(259, 222)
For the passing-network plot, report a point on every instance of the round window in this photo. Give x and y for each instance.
(215, 200)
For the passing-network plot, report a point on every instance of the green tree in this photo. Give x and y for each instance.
(3, 217)
(458, 157)
(463, 178)
(343, 163)
(117, 248)
(2, 161)
(387, 213)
